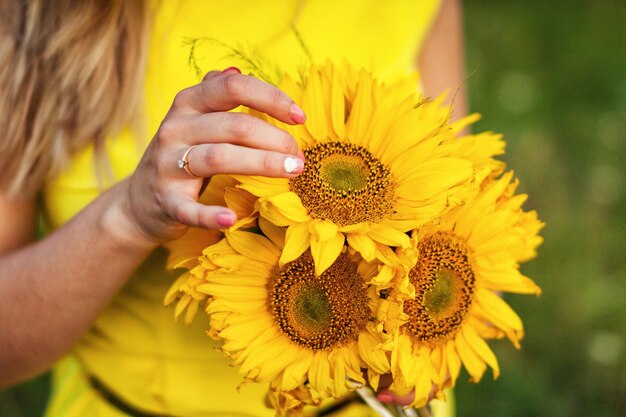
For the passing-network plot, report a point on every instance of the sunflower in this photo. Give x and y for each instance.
(380, 161)
(185, 251)
(464, 258)
(286, 325)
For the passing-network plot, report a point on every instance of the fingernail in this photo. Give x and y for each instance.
(300, 155)
(385, 397)
(293, 165)
(232, 70)
(226, 219)
(297, 114)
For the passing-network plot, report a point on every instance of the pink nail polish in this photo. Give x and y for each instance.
(297, 114)
(226, 219)
(232, 70)
(385, 397)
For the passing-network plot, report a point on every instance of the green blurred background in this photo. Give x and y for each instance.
(551, 76)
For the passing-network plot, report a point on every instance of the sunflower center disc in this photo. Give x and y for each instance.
(444, 287)
(344, 173)
(313, 308)
(440, 296)
(344, 183)
(318, 312)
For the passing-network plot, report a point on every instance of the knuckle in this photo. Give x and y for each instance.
(206, 219)
(182, 98)
(180, 214)
(213, 158)
(241, 125)
(169, 130)
(234, 85)
(267, 163)
(210, 75)
(277, 97)
(288, 143)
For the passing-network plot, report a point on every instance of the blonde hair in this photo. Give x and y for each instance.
(70, 74)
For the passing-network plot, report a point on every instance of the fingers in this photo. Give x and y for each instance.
(206, 160)
(236, 128)
(226, 90)
(388, 397)
(221, 143)
(189, 212)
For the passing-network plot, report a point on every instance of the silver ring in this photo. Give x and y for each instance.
(183, 163)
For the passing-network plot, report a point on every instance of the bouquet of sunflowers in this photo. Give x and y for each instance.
(385, 256)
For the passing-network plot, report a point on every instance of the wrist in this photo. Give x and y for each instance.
(116, 222)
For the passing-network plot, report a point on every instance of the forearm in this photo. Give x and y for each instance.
(52, 290)
(442, 62)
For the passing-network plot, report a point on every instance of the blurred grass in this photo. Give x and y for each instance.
(550, 76)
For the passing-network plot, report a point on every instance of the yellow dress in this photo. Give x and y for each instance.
(135, 352)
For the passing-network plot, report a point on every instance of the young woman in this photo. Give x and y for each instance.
(84, 86)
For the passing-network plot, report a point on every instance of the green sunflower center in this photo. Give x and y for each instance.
(344, 173)
(318, 312)
(313, 308)
(440, 296)
(345, 183)
(444, 286)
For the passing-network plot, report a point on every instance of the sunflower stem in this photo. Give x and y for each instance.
(424, 411)
(368, 396)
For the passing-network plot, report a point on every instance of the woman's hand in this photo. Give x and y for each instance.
(385, 395)
(53, 289)
(162, 197)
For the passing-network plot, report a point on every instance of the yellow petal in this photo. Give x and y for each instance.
(295, 373)
(337, 107)
(253, 246)
(372, 354)
(339, 373)
(423, 181)
(362, 227)
(453, 360)
(297, 241)
(389, 236)
(240, 201)
(319, 373)
(274, 233)
(233, 293)
(323, 230)
(174, 291)
(423, 381)
(325, 253)
(287, 204)
(262, 186)
(481, 348)
(192, 310)
(181, 305)
(353, 363)
(271, 367)
(473, 363)
(268, 358)
(497, 311)
(313, 103)
(384, 276)
(185, 250)
(360, 114)
(362, 244)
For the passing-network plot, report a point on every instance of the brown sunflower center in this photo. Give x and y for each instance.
(444, 287)
(318, 312)
(344, 183)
